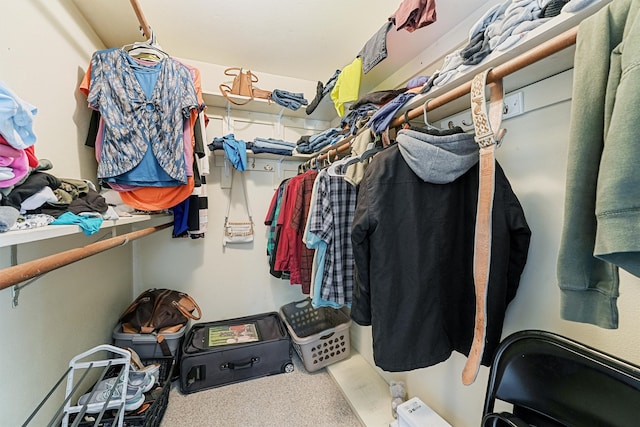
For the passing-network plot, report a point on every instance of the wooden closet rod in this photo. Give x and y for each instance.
(144, 24)
(342, 145)
(19, 273)
(543, 50)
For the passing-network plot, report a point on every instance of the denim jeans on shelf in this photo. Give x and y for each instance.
(290, 100)
(272, 143)
(322, 139)
(273, 146)
(270, 150)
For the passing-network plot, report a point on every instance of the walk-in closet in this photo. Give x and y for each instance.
(445, 177)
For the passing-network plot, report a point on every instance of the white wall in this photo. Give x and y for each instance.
(44, 49)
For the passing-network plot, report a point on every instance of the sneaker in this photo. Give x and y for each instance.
(133, 400)
(137, 380)
(151, 370)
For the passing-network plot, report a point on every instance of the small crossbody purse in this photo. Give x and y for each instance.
(238, 231)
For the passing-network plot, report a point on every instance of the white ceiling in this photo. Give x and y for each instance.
(306, 39)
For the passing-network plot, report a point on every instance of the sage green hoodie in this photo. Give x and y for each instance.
(601, 231)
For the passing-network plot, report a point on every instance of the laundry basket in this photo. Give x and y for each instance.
(320, 336)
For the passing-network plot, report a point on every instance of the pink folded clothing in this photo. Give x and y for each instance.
(8, 151)
(414, 14)
(15, 159)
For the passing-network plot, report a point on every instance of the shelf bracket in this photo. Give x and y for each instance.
(15, 294)
(15, 289)
(228, 122)
(279, 128)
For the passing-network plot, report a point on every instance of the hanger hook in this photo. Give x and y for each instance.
(425, 107)
(406, 124)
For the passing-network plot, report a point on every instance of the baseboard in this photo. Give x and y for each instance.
(365, 390)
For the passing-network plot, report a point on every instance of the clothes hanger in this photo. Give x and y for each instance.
(148, 49)
(327, 160)
(424, 115)
(429, 128)
(339, 167)
(372, 148)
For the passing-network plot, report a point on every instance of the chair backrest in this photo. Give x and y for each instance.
(554, 381)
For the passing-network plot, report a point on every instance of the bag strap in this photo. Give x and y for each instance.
(253, 77)
(488, 136)
(187, 312)
(246, 199)
(229, 72)
(225, 90)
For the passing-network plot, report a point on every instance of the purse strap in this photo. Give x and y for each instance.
(488, 136)
(225, 90)
(246, 199)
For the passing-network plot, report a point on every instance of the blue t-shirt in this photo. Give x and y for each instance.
(148, 172)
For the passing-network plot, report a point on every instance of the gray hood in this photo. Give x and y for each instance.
(438, 159)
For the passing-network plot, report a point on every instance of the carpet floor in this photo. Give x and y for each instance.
(297, 399)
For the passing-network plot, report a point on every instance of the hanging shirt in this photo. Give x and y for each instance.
(274, 230)
(347, 87)
(312, 241)
(331, 222)
(134, 121)
(287, 244)
(303, 255)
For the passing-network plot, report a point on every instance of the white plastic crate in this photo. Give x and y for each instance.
(320, 336)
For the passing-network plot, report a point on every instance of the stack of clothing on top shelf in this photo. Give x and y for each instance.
(392, 102)
(29, 196)
(272, 146)
(308, 144)
(499, 29)
(362, 110)
(43, 199)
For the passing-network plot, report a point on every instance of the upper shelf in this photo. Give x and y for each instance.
(547, 67)
(16, 237)
(325, 110)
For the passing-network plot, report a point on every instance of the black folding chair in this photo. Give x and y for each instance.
(552, 381)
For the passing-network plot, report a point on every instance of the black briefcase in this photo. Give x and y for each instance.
(229, 351)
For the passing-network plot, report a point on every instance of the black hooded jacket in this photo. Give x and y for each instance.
(413, 243)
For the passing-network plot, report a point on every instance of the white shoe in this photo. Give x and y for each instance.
(137, 379)
(133, 400)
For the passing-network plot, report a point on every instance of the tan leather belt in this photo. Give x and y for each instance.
(487, 139)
